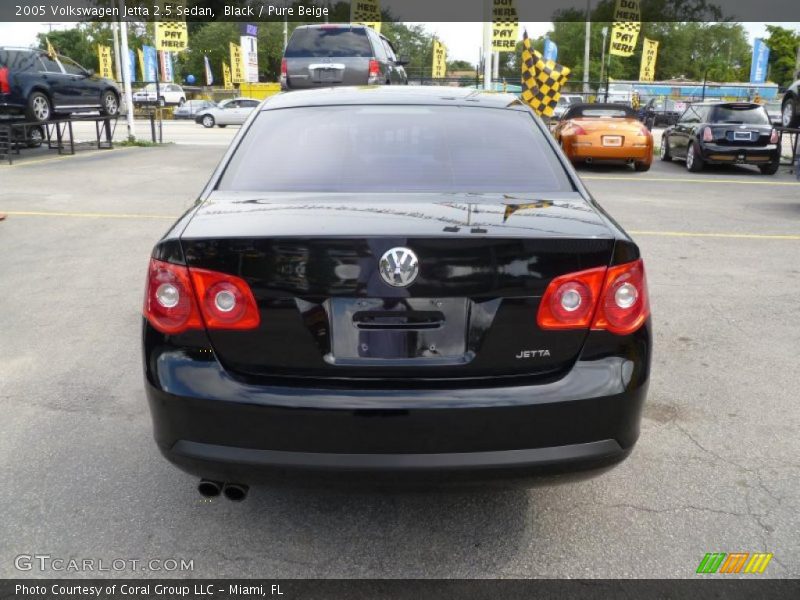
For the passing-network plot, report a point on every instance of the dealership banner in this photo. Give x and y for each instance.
(209, 74)
(367, 12)
(172, 36)
(237, 64)
(132, 64)
(249, 46)
(505, 26)
(106, 62)
(758, 67)
(439, 68)
(149, 63)
(550, 50)
(647, 71)
(167, 72)
(627, 24)
(227, 80)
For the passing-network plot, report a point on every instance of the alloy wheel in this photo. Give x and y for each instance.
(690, 157)
(41, 108)
(787, 114)
(111, 104)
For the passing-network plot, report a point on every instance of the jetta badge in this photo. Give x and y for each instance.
(399, 267)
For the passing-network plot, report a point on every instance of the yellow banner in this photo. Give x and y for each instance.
(237, 64)
(51, 52)
(106, 68)
(367, 12)
(505, 26)
(625, 32)
(171, 36)
(439, 60)
(226, 76)
(141, 62)
(647, 72)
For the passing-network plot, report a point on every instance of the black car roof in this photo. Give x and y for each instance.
(577, 109)
(421, 95)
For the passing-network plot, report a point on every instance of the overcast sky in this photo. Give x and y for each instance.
(463, 40)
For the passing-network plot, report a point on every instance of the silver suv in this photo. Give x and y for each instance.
(326, 55)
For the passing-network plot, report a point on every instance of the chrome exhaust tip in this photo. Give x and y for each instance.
(235, 492)
(208, 488)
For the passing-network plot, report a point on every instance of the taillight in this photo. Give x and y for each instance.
(569, 301)
(774, 137)
(284, 68)
(614, 299)
(225, 301)
(5, 88)
(624, 303)
(169, 303)
(178, 298)
(577, 130)
(374, 68)
(708, 136)
(643, 130)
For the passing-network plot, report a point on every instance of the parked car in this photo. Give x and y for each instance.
(167, 94)
(21, 135)
(39, 86)
(723, 133)
(191, 108)
(775, 112)
(596, 132)
(228, 112)
(790, 107)
(327, 55)
(399, 282)
(564, 102)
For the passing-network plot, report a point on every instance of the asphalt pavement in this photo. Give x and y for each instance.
(716, 468)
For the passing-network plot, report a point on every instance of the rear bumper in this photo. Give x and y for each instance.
(212, 425)
(598, 153)
(716, 153)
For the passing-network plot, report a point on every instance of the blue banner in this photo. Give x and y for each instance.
(550, 50)
(132, 64)
(150, 63)
(758, 67)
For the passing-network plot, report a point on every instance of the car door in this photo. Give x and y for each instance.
(56, 80)
(679, 139)
(244, 110)
(83, 91)
(225, 114)
(397, 73)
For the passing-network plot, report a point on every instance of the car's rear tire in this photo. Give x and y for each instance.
(694, 162)
(769, 169)
(35, 137)
(208, 121)
(222, 126)
(664, 152)
(790, 117)
(39, 108)
(109, 104)
(641, 166)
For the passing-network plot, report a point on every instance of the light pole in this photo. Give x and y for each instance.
(587, 46)
(126, 72)
(604, 31)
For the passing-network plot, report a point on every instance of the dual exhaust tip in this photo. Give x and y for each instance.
(235, 492)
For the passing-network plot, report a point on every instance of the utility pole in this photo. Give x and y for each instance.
(117, 65)
(587, 46)
(604, 31)
(126, 73)
(797, 65)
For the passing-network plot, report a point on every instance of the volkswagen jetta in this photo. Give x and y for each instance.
(394, 281)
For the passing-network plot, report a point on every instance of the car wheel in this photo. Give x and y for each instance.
(769, 169)
(208, 121)
(664, 152)
(641, 166)
(109, 104)
(182, 101)
(789, 116)
(39, 108)
(35, 137)
(222, 126)
(694, 162)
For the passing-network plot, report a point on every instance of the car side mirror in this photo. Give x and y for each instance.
(88, 73)
(402, 61)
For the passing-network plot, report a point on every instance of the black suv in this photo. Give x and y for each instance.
(37, 85)
(327, 55)
(790, 108)
(723, 133)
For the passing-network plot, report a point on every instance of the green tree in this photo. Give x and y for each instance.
(783, 47)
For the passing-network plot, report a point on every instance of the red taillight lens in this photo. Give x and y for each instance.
(643, 130)
(570, 300)
(374, 68)
(169, 303)
(624, 303)
(284, 68)
(577, 130)
(774, 137)
(226, 302)
(708, 136)
(5, 88)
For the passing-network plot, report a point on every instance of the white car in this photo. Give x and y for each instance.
(168, 94)
(564, 102)
(228, 112)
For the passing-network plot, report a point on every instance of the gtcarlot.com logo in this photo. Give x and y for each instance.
(735, 562)
(47, 562)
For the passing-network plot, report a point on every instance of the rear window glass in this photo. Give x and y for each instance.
(395, 149)
(333, 42)
(753, 115)
(18, 61)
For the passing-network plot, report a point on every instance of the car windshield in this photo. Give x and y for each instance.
(746, 114)
(395, 149)
(328, 42)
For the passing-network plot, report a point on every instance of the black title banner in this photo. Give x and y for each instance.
(400, 10)
(401, 589)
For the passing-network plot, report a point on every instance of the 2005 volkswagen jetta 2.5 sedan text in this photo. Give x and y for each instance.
(394, 282)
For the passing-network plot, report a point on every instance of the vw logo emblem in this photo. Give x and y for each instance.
(399, 267)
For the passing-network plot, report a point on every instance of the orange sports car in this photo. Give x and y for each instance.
(591, 132)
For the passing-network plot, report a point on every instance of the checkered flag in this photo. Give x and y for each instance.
(541, 80)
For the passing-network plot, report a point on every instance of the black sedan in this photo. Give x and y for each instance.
(723, 133)
(434, 295)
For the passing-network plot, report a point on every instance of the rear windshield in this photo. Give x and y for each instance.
(333, 42)
(751, 115)
(395, 149)
(18, 61)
